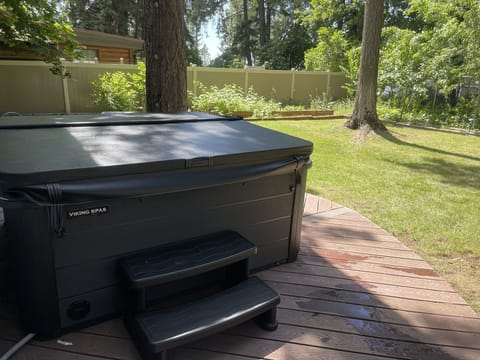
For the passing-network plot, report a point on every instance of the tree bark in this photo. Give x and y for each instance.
(246, 40)
(269, 15)
(166, 76)
(138, 20)
(365, 108)
(262, 31)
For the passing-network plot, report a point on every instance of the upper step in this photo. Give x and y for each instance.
(157, 331)
(187, 259)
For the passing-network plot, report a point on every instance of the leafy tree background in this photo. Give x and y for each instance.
(126, 17)
(429, 64)
(429, 56)
(37, 25)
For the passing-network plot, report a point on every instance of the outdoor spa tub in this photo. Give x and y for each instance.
(81, 192)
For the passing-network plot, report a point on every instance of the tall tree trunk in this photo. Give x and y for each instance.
(365, 109)
(262, 31)
(247, 49)
(269, 19)
(166, 77)
(138, 20)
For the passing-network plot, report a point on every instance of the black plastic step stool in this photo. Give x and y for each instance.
(239, 298)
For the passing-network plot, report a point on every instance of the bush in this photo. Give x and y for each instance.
(230, 99)
(464, 115)
(121, 91)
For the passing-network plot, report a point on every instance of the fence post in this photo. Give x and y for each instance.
(328, 85)
(194, 77)
(66, 94)
(292, 88)
(246, 79)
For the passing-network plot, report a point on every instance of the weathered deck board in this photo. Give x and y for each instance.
(355, 293)
(310, 239)
(350, 256)
(370, 267)
(315, 204)
(364, 276)
(379, 329)
(381, 301)
(410, 349)
(369, 250)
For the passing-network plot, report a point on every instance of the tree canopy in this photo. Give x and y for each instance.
(121, 17)
(37, 25)
(264, 32)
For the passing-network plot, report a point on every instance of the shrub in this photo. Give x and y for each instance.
(229, 99)
(121, 91)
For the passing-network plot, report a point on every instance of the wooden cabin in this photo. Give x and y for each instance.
(108, 48)
(99, 48)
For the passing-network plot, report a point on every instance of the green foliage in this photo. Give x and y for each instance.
(288, 40)
(345, 17)
(192, 52)
(280, 43)
(227, 60)
(425, 69)
(330, 52)
(139, 84)
(121, 17)
(335, 53)
(229, 99)
(430, 50)
(350, 69)
(285, 50)
(121, 91)
(36, 25)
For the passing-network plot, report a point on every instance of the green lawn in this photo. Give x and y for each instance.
(422, 186)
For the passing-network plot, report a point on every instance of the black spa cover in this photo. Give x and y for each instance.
(98, 156)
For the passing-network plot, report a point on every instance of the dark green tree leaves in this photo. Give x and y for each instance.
(37, 25)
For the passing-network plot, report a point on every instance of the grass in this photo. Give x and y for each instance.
(421, 186)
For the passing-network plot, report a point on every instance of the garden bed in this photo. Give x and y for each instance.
(288, 113)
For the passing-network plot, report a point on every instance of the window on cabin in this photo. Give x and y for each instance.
(89, 56)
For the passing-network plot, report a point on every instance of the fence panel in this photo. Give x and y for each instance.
(272, 84)
(337, 82)
(28, 86)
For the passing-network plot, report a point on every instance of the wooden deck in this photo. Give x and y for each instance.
(355, 293)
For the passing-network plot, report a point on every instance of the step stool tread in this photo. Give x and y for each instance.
(187, 259)
(161, 330)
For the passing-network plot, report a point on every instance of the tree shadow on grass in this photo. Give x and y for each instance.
(451, 172)
(389, 136)
(467, 176)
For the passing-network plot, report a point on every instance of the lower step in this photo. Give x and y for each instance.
(155, 332)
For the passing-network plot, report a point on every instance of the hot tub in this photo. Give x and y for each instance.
(81, 192)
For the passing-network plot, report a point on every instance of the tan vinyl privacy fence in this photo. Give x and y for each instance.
(28, 87)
